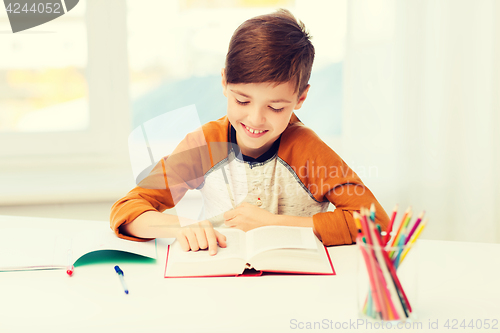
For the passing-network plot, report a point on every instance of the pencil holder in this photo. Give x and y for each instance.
(387, 282)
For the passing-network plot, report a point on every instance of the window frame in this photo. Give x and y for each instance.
(107, 81)
(101, 151)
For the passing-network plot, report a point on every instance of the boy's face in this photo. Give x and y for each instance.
(260, 112)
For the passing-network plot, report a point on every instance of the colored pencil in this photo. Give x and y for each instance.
(391, 223)
(413, 240)
(356, 221)
(372, 212)
(401, 231)
(379, 304)
(386, 298)
(388, 281)
(408, 210)
(371, 275)
(415, 226)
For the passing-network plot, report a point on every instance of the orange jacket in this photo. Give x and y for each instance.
(300, 174)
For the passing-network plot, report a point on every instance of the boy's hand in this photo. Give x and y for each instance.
(247, 217)
(200, 235)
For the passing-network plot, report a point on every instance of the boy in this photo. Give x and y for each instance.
(291, 175)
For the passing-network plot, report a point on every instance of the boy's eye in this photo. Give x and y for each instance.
(241, 103)
(276, 110)
(272, 109)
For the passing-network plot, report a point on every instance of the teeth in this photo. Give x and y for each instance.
(251, 130)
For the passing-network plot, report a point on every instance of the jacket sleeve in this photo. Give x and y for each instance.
(338, 227)
(165, 185)
(328, 178)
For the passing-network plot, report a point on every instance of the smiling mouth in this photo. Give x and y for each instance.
(254, 131)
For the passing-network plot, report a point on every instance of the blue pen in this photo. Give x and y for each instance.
(122, 279)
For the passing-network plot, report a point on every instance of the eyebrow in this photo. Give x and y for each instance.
(281, 100)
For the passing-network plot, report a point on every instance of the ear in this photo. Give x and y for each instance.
(224, 84)
(302, 98)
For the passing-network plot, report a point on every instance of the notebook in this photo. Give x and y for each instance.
(28, 243)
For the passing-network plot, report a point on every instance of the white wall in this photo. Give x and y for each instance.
(422, 84)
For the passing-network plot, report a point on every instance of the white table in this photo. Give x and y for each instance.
(455, 281)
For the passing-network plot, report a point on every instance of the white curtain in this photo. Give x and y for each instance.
(422, 109)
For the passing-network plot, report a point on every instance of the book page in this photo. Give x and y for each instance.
(235, 239)
(228, 260)
(306, 261)
(279, 237)
(59, 245)
(24, 248)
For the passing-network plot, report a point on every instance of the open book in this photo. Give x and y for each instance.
(267, 249)
(28, 243)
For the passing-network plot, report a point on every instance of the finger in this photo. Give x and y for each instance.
(230, 214)
(221, 239)
(193, 242)
(201, 237)
(212, 241)
(239, 224)
(183, 242)
(230, 223)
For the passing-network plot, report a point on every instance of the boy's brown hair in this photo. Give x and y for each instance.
(271, 48)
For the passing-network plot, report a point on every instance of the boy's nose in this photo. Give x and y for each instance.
(256, 117)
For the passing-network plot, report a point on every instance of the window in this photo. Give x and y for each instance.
(42, 77)
(177, 54)
(58, 82)
(64, 103)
